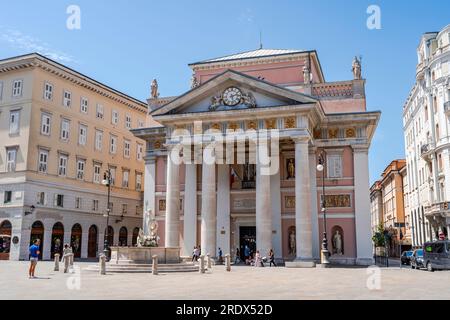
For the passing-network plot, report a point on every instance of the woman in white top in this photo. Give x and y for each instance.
(257, 259)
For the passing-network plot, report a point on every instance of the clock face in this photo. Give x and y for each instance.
(232, 96)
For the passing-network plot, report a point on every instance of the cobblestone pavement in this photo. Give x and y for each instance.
(241, 283)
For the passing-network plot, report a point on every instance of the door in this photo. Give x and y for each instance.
(37, 232)
(247, 237)
(92, 242)
(57, 239)
(5, 239)
(75, 240)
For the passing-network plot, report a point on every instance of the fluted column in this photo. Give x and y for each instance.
(223, 207)
(209, 217)
(263, 203)
(303, 221)
(172, 225)
(190, 209)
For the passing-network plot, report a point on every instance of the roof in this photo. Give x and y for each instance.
(36, 55)
(259, 53)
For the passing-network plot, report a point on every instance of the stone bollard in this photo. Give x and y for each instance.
(155, 265)
(102, 264)
(56, 262)
(228, 262)
(208, 259)
(66, 263)
(202, 264)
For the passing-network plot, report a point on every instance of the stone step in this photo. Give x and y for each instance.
(144, 268)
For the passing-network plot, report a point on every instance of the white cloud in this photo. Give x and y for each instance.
(247, 16)
(18, 40)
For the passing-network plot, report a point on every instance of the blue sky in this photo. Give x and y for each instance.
(125, 44)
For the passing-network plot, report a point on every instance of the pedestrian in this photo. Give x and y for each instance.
(34, 257)
(197, 253)
(258, 261)
(220, 256)
(67, 250)
(272, 258)
(246, 252)
(194, 254)
(238, 256)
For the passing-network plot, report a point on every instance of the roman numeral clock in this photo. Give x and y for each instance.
(232, 97)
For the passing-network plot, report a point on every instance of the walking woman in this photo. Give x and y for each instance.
(272, 258)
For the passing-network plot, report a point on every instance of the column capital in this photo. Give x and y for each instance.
(360, 148)
(150, 159)
(301, 139)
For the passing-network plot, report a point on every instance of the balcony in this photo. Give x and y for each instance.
(425, 151)
(437, 208)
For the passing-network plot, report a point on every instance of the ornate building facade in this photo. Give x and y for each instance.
(61, 130)
(206, 181)
(427, 140)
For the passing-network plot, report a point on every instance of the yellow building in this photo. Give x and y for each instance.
(61, 131)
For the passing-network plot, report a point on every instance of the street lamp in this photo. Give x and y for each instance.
(107, 179)
(324, 251)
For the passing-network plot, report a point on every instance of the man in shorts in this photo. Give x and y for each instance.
(34, 257)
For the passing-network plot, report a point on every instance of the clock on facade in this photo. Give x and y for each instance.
(232, 96)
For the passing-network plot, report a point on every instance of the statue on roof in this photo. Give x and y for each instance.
(154, 89)
(306, 75)
(194, 82)
(356, 68)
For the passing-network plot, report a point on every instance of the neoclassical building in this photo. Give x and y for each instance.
(207, 181)
(61, 131)
(427, 140)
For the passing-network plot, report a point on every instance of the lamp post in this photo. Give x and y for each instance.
(324, 251)
(107, 182)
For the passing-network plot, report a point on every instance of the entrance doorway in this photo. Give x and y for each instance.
(75, 240)
(57, 239)
(5, 239)
(247, 237)
(123, 237)
(37, 232)
(92, 242)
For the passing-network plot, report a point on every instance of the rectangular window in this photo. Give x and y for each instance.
(41, 198)
(115, 117)
(138, 181)
(126, 148)
(1, 90)
(125, 178)
(113, 144)
(111, 207)
(8, 197)
(77, 203)
(82, 137)
(139, 151)
(45, 124)
(17, 88)
(67, 100)
(14, 119)
(65, 127)
(11, 155)
(99, 113)
(124, 208)
(48, 91)
(84, 105)
(43, 161)
(334, 166)
(80, 169)
(113, 175)
(94, 205)
(62, 165)
(98, 140)
(128, 121)
(97, 169)
(59, 200)
(140, 124)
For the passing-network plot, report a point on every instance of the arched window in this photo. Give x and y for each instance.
(123, 237)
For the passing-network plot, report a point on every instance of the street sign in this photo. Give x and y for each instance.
(399, 225)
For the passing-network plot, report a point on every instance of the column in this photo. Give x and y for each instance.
(275, 199)
(101, 241)
(362, 206)
(263, 205)
(190, 210)
(150, 184)
(84, 242)
(303, 223)
(47, 241)
(172, 225)
(314, 210)
(223, 208)
(208, 223)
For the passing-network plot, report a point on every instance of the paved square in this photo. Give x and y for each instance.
(242, 283)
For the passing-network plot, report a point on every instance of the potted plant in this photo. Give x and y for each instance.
(379, 240)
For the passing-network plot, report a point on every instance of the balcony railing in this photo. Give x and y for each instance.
(437, 208)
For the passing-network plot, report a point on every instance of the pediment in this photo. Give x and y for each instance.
(230, 91)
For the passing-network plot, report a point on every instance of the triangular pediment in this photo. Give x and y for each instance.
(233, 90)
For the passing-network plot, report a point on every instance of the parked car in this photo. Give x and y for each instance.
(437, 255)
(406, 257)
(417, 259)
